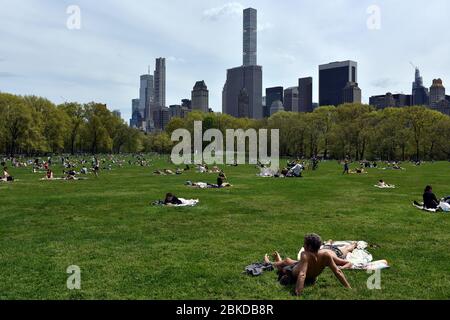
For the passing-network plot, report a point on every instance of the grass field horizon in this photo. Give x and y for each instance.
(128, 249)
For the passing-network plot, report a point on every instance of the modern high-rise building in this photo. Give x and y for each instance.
(419, 92)
(437, 92)
(250, 79)
(248, 76)
(305, 95)
(160, 82)
(200, 97)
(136, 116)
(273, 94)
(161, 117)
(146, 95)
(351, 93)
(291, 99)
(250, 37)
(333, 78)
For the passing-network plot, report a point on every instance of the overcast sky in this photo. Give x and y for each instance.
(118, 39)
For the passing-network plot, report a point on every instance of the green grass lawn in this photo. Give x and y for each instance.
(127, 249)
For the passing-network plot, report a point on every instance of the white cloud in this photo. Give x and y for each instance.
(231, 9)
(176, 59)
(264, 26)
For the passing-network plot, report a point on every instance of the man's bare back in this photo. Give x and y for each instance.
(313, 262)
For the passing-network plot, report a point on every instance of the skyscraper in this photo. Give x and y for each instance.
(146, 96)
(273, 94)
(291, 99)
(160, 82)
(437, 92)
(248, 76)
(200, 97)
(250, 37)
(333, 78)
(351, 93)
(250, 79)
(419, 92)
(305, 95)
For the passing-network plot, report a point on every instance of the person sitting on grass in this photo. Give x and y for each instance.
(172, 200)
(70, 175)
(6, 176)
(430, 200)
(313, 262)
(222, 180)
(49, 175)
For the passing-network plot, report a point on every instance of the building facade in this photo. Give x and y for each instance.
(200, 97)
(351, 93)
(437, 92)
(160, 82)
(305, 95)
(333, 78)
(419, 92)
(277, 106)
(390, 100)
(273, 94)
(291, 99)
(146, 95)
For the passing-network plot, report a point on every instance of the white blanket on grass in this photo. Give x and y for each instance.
(444, 206)
(360, 257)
(187, 203)
(385, 187)
(266, 173)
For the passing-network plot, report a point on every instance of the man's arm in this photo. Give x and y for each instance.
(303, 269)
(338, 272)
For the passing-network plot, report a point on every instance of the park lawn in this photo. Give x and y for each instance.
(127, 249)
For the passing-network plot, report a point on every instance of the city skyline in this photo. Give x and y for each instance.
(102, 60)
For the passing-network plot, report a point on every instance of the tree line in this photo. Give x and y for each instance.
(355, 131)
(31, 125)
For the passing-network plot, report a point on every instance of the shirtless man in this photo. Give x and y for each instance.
(314, 261)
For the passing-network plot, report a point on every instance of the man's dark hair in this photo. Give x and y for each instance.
(313, 242)
(428, 189)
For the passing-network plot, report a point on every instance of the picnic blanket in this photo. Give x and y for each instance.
(443, 206)
(360, 257)
(185, 203)
(266, 173)
(385, 187)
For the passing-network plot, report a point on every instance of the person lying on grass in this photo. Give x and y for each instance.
(383, 184)
(313, 262)
(172, 200)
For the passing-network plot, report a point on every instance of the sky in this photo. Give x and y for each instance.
(118, 40)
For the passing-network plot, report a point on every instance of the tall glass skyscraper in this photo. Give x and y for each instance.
(250, 37)
(242, 92)
(160, 82)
